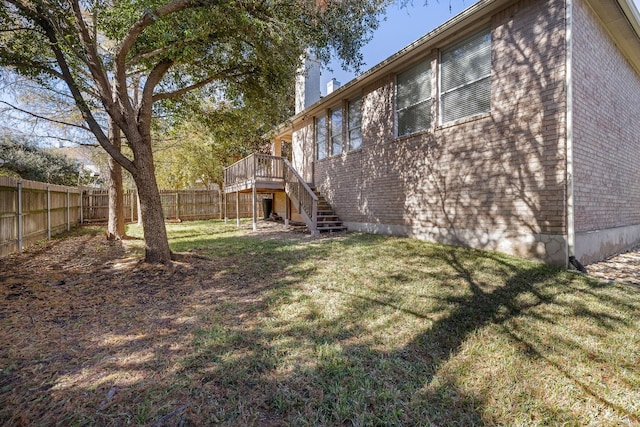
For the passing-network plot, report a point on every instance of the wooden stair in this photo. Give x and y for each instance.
(328, 221)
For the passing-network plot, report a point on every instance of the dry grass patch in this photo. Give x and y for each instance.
(278, 328)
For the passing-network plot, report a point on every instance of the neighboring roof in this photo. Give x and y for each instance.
(81, 154)
(620, 17)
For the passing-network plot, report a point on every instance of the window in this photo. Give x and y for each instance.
(321, 137)
(336, 131)
(413, 99)
(466, 78)
(354, 124)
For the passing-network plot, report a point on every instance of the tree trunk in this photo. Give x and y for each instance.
(115, 228)
(155, 234)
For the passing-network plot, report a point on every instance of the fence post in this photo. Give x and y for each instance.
(48, 213)
(254, 211)
(178, 206)
(238, 208)
(220, 207)
(19, 187)
(225, 201)
(132, 205)
(68, 211)
(81, 213)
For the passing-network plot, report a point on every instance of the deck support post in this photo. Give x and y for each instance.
(287, 209)
(238, 209)
(223, 200)
(254, 200)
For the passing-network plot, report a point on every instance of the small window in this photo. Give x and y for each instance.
(336, 131)
(321, 137)
(354, 124)
(466, 78)
(413, 99)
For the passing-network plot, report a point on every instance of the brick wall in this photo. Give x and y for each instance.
(607, 129)
(495, 181)
(606, 140)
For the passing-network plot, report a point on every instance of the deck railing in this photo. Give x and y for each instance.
(263, 167)
(256, 167)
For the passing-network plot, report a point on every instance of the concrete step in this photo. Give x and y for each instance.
(332, 228)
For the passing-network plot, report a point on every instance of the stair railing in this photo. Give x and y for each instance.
(302, 196)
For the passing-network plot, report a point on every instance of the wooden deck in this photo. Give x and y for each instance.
(263, 172)
(260, 173)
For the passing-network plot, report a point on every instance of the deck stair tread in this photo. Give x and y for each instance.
(328, 220)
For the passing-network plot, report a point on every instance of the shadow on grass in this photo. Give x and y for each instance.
(355, 330)
(318, 366)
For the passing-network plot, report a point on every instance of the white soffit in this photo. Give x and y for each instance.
(622, 20)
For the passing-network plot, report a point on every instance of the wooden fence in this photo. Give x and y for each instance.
(245, 205)
(32, 211)
(95, 206)
(183, 205)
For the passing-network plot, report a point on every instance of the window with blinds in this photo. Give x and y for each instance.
(336, 131)
(465, 73)
(413, 99)
(321, 137)
(354, 124)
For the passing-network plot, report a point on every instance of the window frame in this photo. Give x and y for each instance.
(339, 132)
(316, 141)
(485, 32)
(358, 127)
(428, 101)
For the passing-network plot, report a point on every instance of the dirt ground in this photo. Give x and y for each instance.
(63, 339)
(72, 353)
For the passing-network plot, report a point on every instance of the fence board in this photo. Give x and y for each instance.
(245, 205)
(51, 209)
(176, 205)
(23, 225)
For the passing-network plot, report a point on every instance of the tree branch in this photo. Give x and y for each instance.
(13, 29)
(37, 66)
(60, 138)
(175, 45)
(148, 18)
(79, 100)
(155, 76)
(226, 74)
(93, 58)
(37, 116)
(146, 55)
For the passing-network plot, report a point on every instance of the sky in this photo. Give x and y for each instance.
(402, 27)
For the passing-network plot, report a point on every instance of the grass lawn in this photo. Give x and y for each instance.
(284, 329)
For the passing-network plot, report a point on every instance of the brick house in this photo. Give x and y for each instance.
(514, 126)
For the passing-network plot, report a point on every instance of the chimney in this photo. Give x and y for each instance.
(332, 85)
(307, 82)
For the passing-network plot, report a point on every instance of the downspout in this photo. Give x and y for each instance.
(571, 233)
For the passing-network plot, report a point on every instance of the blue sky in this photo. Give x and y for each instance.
(401, 27)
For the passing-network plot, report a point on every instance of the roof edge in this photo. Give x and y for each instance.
(459, 22)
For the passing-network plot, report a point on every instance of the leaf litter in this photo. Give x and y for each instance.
(90, 334)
